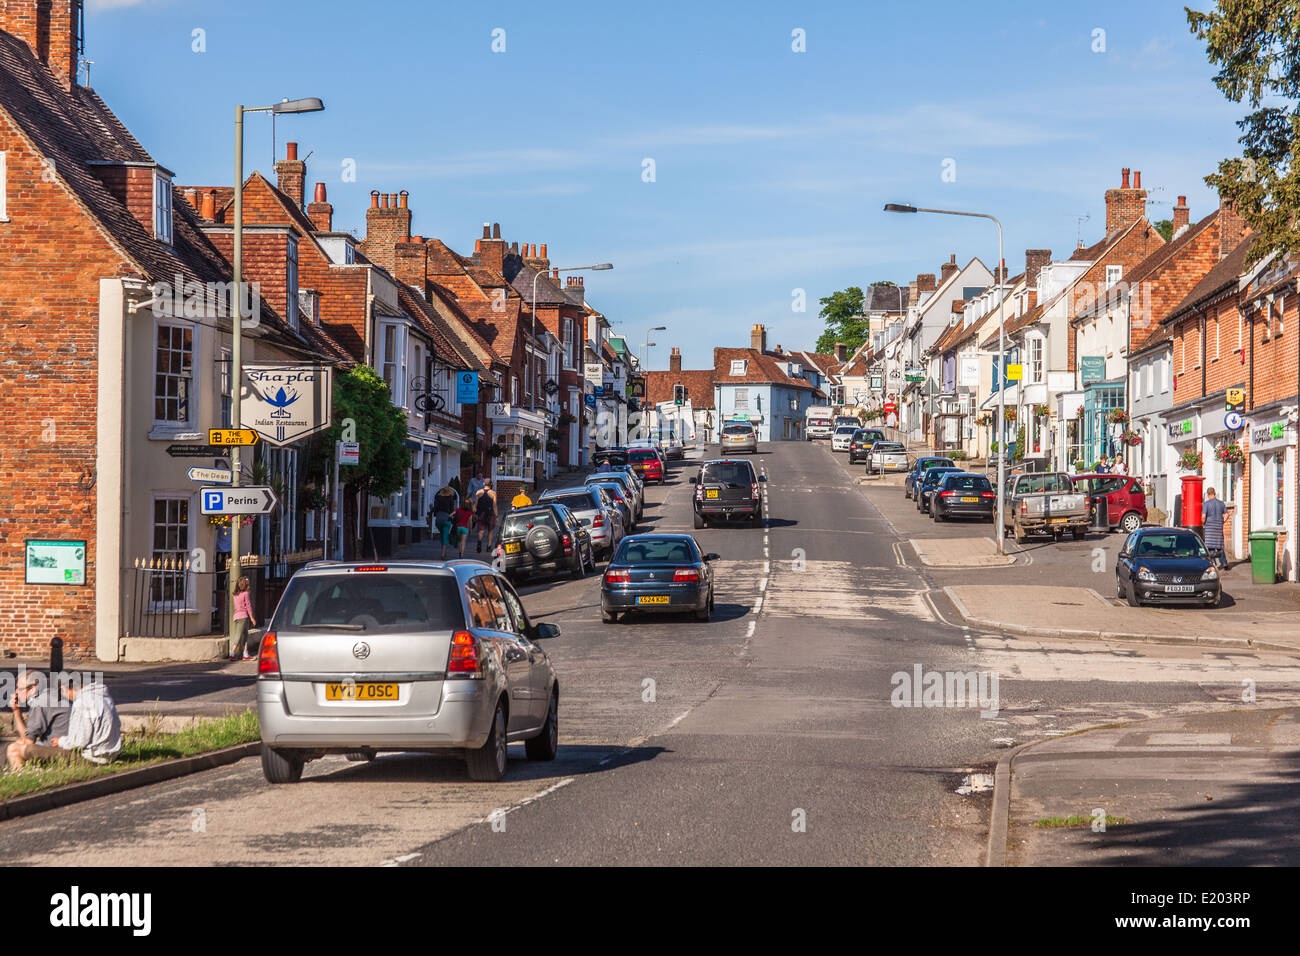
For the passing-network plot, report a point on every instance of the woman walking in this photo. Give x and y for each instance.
(463, 519)
(243, 621)
(444, 510)
(485, 513)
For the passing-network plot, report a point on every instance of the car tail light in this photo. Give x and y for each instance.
(699, 492)
(464, 654)
(598, 521)
(685, 574)
(946, 494)
(371, 567)
(987, 494)
(567, 542)
(1024, 507)
(268, 658)
(617, 577)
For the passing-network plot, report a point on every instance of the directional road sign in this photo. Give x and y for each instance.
(213, 476)
(232, 436)
(250, 500)
(197, 451)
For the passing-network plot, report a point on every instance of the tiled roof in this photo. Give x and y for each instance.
(698, 382)
(760, 368)
(1216, 280)
(884, 298)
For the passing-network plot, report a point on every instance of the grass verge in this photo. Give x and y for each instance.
(139, 749)
(1077, 821)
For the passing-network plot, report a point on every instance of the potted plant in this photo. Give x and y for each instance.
(1231, 453)
(532, 443)
(1042, 410)
(1191, 460)
(1130, 437)
(495, 451)
(1080, 466)
(1117, 416)
(984, 420)
(1010, 414)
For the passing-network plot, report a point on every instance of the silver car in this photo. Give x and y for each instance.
(600, 517)
(841, 437)
(738, 436)
(430, 656)
(632, 488)
(887, 457)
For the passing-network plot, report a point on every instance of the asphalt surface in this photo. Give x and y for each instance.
(766, 736)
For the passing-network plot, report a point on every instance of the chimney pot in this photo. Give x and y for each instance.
(1124, 178)
(384, 204)
(953, 258)
(543, 255)
(1137, 179)
(487, 231)
(478, 246)
(209, 207)
(1182, 200)
(555, 273)
(496, 230)
(374, 199)
(403, 194)
(320, 192)
(290, 150)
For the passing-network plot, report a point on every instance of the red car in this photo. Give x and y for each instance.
(647, 464)
(1126, 503)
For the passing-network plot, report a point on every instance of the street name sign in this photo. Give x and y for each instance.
(250, 500)
(232, 436)
(197, 451)
(213, 476)
(348, 452)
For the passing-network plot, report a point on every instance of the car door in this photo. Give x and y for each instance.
(539, 665)
(512, 651)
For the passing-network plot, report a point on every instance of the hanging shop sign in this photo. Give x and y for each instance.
(285, 403)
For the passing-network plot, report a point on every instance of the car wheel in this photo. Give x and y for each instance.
(488, 763)
(359, 756)
(1119, 588)
(1021, 537)
(1078, 533)
(1132, 596)
(699, 521)
(546, 744)
(608, 617)
(1130, 522)
(280, 766)
(580, 569)
(936, 513)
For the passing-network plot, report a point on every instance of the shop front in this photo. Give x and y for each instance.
(1224, 460)
(1272, 464)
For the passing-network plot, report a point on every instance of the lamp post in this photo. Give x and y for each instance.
(532, 360)
(308, 105)
(1002, 353)
(645, 352)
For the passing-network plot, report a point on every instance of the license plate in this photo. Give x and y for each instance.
(711, 493)
(652, 599)
(1057, 520)
(361, 692)
(1180, 588)
(970, 499)
(512, 547)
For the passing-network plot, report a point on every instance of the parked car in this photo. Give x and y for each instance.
(616, 496)
(647, 463)
(658, 572)
(738, 436)
(842, 436)
(918, 468)
(631, 485)
(1126, 502)
(544, 538)
(1043, 503)
(615, 456)
(404, 656)
(602, 518)
(929, 481)
(674, 447)
(1166, 566)
(887, 457)
(860, 443)
(963, 495)
(728, 488)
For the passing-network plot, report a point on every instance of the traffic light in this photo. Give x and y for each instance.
(679, 394)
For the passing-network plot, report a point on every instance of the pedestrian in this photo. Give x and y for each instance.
(1102, 467)
(47, 716)
(243, 620)
(475, 486)
(1121, 466)
(485, 513)
(1213, 513)
(521, 500)
(94, 730)
(444, 510)
(462, 521)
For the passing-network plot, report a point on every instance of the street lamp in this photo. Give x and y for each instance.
(645, 352)
(309, 104)
(532, 360)
(1000, 278)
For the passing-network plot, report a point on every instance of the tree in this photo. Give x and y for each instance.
(842, 313)
(1256, 45)
(1166, 229)
(362, 397)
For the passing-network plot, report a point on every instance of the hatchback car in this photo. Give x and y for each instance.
(1166, 566)
(728, 488)
(738, 436)
(544, 538)
(1126, 502)
(647, 463)
(434, 657)
(842, 437)
(602, 518)
(962, 495)
(887, 457)
(631, 485)
(617, 497)
(918, 468)
(657, 572)
(861, 442)
(925, 487)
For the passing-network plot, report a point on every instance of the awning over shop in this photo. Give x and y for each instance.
(1013, 397)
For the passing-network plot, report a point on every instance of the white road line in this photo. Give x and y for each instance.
(749, 632)
(499, 812)
(679, 718)
(767, 567)
(397, 860)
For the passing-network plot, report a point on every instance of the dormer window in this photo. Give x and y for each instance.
(162, 208)
(738, 366)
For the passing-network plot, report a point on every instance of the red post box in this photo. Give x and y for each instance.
(1192, 488)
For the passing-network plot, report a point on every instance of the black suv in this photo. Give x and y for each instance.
(541, 539)
(728, 488)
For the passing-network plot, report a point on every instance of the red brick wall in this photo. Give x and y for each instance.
(1139, 243)
(54, 257)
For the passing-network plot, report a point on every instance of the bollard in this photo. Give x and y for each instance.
(56, 654)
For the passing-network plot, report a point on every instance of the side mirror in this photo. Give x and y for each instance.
(544, 632)
(712, 557)
(762, 477)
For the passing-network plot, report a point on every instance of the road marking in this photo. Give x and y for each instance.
(398, 860)
(767, 567)
(499, 812)
(679, 718)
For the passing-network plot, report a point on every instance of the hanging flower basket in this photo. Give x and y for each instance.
(1042, 410)
(1230, 453)
(1130, 437)
(1117, 416)
(984, 420)
(495, 451)
(224, 521)
(1191, 460)
(532, 443)
(1010, 414)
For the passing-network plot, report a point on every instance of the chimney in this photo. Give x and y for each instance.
(841, 352)
(913, 288)
(758, 338)
(320, 212)
(410, 259)
(1232, 228)
(1182, 215)
(388, 222)
(492, 248)
(675, 360)
(925, 282)
(49, 28)
(948, 268)
(1124, 206)
(290, 174)
(1035, 259)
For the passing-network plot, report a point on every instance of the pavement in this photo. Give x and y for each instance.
(959, 553)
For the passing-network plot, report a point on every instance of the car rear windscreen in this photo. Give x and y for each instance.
(925, 463)
(615, 491)
(575, 502)
(1033, 484)
(523, 523)
(642, 454)
(892, 447)
(613, 457)
(375, 602)
(966, 483)
(665, 551)
(727, 472)
(736, 429)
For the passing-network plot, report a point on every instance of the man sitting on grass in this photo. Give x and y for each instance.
(94, 730)
(47, 715)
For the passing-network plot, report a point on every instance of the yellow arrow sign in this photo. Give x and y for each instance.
(232, 436)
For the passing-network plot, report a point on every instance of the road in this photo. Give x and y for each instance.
(766, 736)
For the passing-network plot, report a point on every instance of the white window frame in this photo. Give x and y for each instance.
(1165, 369)
(224, 369)
(741, 399)
(1241, 325)
(1217, 350)
(1281, 313)
(568, 343)
(4, 180)
(738, 366)
(1037, 365)
(171, 606)
(291, 282)
(1113, 275)
(514, 389)
(397, 386)
(189, 397)
(162, 207)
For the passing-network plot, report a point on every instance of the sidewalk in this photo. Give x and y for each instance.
(1202, 790)
(960, 553)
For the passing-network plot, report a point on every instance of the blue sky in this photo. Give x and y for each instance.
(770, 166)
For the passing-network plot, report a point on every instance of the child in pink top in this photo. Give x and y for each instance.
(243, 620)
